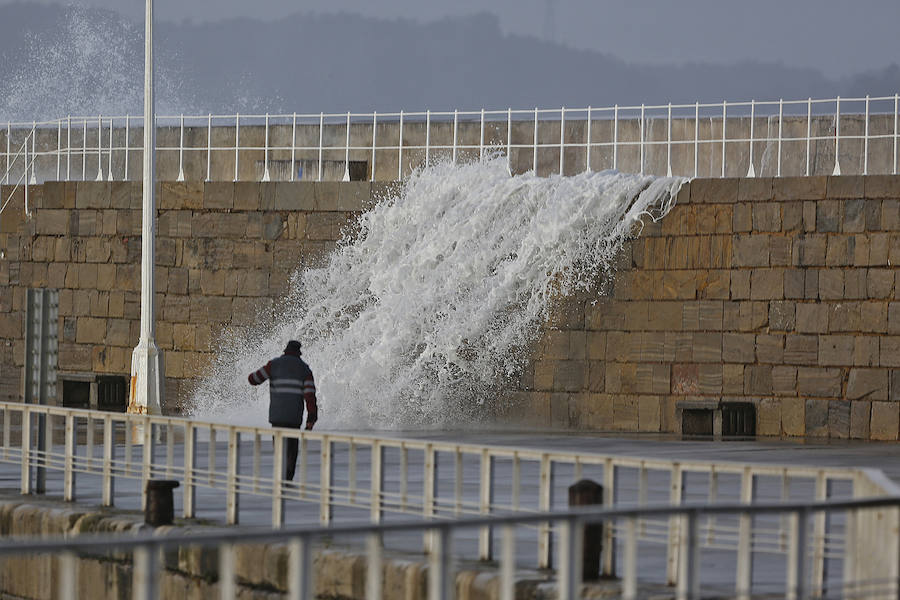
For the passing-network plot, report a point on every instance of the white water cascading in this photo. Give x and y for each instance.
(429, 306)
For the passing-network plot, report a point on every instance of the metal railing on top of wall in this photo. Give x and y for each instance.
(383, 475)
(743, 139)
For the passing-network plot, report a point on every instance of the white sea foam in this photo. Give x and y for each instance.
(427, 307)
(92, 63)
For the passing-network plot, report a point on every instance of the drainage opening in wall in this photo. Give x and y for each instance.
(76, 393)
(103, 392)
(718, 419)
(111, 393)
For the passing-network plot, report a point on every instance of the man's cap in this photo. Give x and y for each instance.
(293, 346)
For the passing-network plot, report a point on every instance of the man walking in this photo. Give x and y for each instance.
(290, 383)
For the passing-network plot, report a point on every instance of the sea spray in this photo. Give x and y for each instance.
(429, 303)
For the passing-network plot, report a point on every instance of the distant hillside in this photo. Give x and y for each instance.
(54, 62)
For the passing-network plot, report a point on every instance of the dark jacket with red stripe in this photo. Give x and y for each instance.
(290, 383)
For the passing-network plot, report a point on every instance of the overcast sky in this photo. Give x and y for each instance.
(837, 37)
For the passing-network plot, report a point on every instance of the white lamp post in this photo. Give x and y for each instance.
(147, 374)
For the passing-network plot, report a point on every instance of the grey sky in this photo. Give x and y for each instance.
(837, 37)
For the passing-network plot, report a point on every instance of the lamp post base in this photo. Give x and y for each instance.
(147, 379)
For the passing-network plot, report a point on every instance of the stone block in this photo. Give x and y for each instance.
(889, 351)
(742, 218)
(544, 374)
(819, 382)
(570, 376)
(685, 379)
(809, 216)
(873, 317)
(740, 285)
(299, 195)
(769, 348)
(766, 216)
(840, 250)
(828, 216)
(649, 415)
(838, 419)
(866, 351)
(809, 250)
(769, 417)
(867, 384)
(738, 347)
(811, 285)
(732, 379)
(800, 188)
(845, 186)
(855, 284)
(707, 347)
(219, 195)
(245, 195)
(92, 194)
(881, 246)
(812, 318)
(835, 350)
(715, 191)
(831, 284)
(844, 316)
(879, 283)
(816, 417)
(750, 251)
(184, 195)
(596, 345)
(767, 284)
(882, 186)
(710, 315)
(654, 348)
(782, 315)
(661, 316)
(784, 380)
(90, 330)
(780, 251)
(758, 380)
(793, 416)
(860, 418)
(885, 421)
(794, 283)
(51, 222)
(854, 216)
(756, 189)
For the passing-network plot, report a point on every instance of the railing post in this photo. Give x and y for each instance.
(347, 151)
(69, 461)
(744, 579)
(208, 146)
(796, 567)
(404, 475)
(237, 144)
(608, 548)
(430, 479)
(866, 141)
(689, 579)
(509, 140)
(294, 147)
(8, 151)
(190, 464)
(26, 482)
(278, 480)
(751, 172)
(817, 584)
(351, 472)
(146, 572)
(374, 567)
(808, 131)
(68, 149)
(676, 497)
(837, 137)
(227, 586)
(377, 482)
(400, 150)
(535, 145)
(109, 446)
(266, 176)
(669, 143)
(481, 143)
(455, 133)
(84, 150)
(642, 140)
(58, 149)
(99, 148)
(724, 137)
(374, 146)
(587, 158)
(780, 135)
(325, 481)
(127, 144)
(545, 502)
(896, 115)
(170, 449)
(321, 139)
(181, 151)
(109, 169)
(615, 137)
(441, 579)
(696, 136)
(427, 137)
(147, 458)
(568, 576)
(562, 140)
(486, 493)
(629, 582)
(300, 569)
(232, 499)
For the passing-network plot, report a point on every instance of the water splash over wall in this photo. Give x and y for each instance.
(429, 306)
(91, 63)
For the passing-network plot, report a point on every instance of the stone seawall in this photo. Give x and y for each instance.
(775, 296)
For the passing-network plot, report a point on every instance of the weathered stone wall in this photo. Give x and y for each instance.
(777, 292)
(780, 293)
(224, 255)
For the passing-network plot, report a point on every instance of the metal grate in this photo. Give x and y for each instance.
(738, 419)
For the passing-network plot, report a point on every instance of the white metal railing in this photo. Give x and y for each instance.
(435, 480)
(744, 139)
(856, 581)
(27, 166)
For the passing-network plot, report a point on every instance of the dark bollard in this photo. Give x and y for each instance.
(160, 508)
(587, 493)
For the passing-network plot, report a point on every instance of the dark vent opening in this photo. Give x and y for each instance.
(696, 421)
(76, 394)
(111, 393)
(738, 419)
